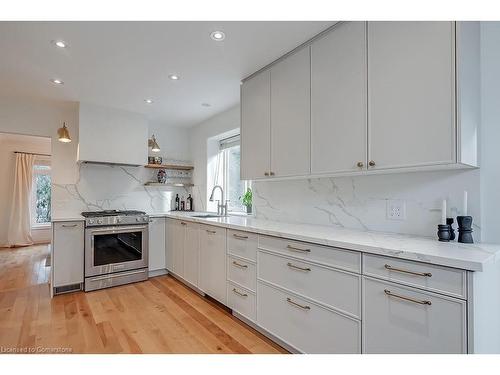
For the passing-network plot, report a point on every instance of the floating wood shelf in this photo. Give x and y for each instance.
(168, 184)
(170, 166)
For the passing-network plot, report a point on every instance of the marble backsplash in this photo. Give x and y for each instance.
(360, 202)
(101, 187)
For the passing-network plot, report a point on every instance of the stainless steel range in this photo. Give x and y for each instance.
(116, 248)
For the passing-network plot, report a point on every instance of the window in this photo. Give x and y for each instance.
(41, 195)
(228, 173)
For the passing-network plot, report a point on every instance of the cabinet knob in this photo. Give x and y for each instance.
(266, 173)
(371, 163)
(360, 164)
(271, 173)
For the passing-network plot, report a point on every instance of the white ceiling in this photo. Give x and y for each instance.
(119, 64)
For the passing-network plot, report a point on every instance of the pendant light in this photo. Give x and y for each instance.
(63, 134)
(153, 144)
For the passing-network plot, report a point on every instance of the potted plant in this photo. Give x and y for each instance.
(246, 200)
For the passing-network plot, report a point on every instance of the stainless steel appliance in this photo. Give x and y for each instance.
(116, 248)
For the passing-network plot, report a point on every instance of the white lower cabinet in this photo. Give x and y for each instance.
(399, 319)
(191, 253)
(241, 301)
(213, 262)
(304, 325)
(156, 247)
(67, 253)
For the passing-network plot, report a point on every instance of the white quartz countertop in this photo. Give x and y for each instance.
(470, 257)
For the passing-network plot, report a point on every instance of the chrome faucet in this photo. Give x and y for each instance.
(221, 207)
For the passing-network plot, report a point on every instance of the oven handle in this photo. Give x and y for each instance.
(122, 229)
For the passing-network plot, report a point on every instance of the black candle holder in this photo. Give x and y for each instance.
(449, 221)
(465, 229)
(444, 232)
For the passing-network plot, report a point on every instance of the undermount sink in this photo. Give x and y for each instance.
(206, 216)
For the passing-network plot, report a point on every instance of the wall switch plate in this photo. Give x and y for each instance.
(396, 209)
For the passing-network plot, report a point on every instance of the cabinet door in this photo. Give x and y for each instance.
(213, 262)
(178, 237)
(156, 243)
(399, 319)
(67, 253)
(256, 127)
(338, 100)
(291, 115)
(169, 244)
(191, 254)
(411, 78)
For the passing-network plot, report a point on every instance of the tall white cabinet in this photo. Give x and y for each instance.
(156, 245)
(411, 93)
(338, 100)
(213, 262)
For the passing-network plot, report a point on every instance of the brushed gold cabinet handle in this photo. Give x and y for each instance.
(293, 248)
(390, 268)
(211, 231)
(239, 293)
(239, 236)
(266, 173)
(239, 264)
(420, 302)
(360, 164)
(271, 173)
(297, 267)
(183, 223)
(371, 163)
(303, 307)
(68, 225)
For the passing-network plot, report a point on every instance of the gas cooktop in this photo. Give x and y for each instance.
(112, 213)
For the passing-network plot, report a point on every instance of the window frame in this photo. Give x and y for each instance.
(39, 162)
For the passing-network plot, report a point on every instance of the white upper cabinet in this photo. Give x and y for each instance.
(411, 94)
(256, 127)
(338, 100)
(291, 115)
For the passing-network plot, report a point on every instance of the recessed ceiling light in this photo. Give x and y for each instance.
(60, 43)
(205, 104)
(149, 101)
(57, 81)
(217, 35)
(174, 77)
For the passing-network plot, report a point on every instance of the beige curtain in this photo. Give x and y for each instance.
(19, 233)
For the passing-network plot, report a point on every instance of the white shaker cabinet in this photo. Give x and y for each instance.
(178, 238)
(191, 253)
(399, 319)
(213, 262)
(338, 100)
(67, 253)
(291, 115)
(411, 94)
(157, 244)
(256, 127)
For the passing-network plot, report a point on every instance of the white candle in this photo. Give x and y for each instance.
(443, 213)
(465, 203)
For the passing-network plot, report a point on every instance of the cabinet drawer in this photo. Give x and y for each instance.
(339, 289)
(331, 256)
(241, 301)
(304, 325)
(241, 272)
(400, 319)
(242, 244)
(438, 279)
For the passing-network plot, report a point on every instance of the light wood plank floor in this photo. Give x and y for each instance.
(160, 315)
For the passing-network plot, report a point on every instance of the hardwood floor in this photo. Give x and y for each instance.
(160, 315)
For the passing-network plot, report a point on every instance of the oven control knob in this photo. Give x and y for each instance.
(144, 219)
(118, 220)
(137, 219)
(91, 221)
(99, 221)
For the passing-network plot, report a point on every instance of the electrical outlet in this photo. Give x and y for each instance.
(396, 209)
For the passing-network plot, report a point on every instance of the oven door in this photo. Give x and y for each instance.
(114, 249)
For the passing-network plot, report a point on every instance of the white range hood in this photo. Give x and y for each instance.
(112, 136)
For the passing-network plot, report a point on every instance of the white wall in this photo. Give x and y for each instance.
(490, 131)
(203, 152)
(8, 144)
(174, 141)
